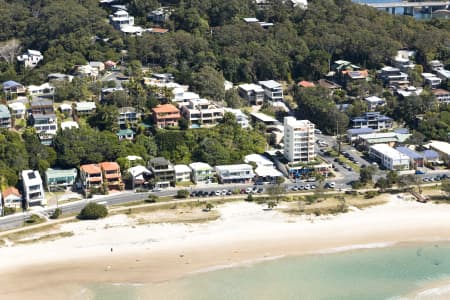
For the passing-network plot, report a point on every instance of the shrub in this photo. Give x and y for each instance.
(151, 199)
(9, 211)
(93, 211)
(33, 219)
(249, 197)
(56, 214)
(209, 206)
(370, 194)
(182, 194)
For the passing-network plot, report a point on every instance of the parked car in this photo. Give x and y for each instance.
(260, 190)
(307, 186)
(331, 185)
(218, 192)
(248, 190)
(294, 188)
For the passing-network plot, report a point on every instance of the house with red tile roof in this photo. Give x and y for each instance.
(91, 176)
(11, 197)
(306, 84)
(165, 115)
(111, 175)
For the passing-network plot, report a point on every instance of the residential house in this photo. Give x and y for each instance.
(156, 30)
(33, 188)
(140, 176)
(31, 58)
(252, 93)
(306, 84)
(5, 117)
(44, 89)
(46, 127)
(273, 90)
(182, 173)
(66, 109)
(241, 118)
(202, 113)
(443, 74)
(85, 108)
(120, 19)
(403, 60)
(59, 179)
(163, 172)
(374, 102)
(12, 198)
(330, 85)
(298, 140)
(390, 158)
(373, 120)
(265, 169)
(354, 77)
(431, 156)
(241, 173)
(417, 160)
(125, 134)
(201, 172)
(87, 71)
(264, 25)
(390, 75)
(110, 65)
(69, 125)
(165, 115)
(111, 175)
(60, 77)
(17, 109)
(443, 96)
(91, 176)
(127, 116)
(431, 80)
(436, 65)
(159, 16)
(408, 91)
(42, 106)
(13, 88)
(100, 66)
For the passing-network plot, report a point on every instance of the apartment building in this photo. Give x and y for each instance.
(201, 112)
(298, 140)
(91, 176)
(111, 175)
(33, 188)
(252, 93)
(163, 172)
(5, 117)
(273, 90)
(390, 158)
(373, 120)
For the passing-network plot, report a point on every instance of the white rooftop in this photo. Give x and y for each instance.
(373, 99)
(389, 151)
(31, 177)
(237, 167)
(440, 146)
(200, 166)
(259, 160)
(69, 124)
(270, 84)
(138, 170)
(133, 157)
(251, 87)
(85, 105)
(182, 169)
(65, 106)
(264, 117)
(16, 106)
(251, 20)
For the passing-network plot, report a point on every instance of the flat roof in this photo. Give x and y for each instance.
(389, 151)
(259, 159)
(51, 173)
(200, 166)
(236, 167)
(182, 169)
(440, 146)
(270, 84)
(263, 117)
(251, 87)
(410, 153)
(4, 111)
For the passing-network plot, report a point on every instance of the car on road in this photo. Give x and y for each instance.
(218, 192)
(331, 185)
(301, 187)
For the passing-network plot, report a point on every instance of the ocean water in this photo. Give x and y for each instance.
(377, 273)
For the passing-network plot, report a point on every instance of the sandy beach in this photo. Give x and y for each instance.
(124, 249)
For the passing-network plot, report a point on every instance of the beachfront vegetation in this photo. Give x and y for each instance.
(182, 194)
(93, 211)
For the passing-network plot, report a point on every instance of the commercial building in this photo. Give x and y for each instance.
(5, 117)
(273, 90)
(33, 189)
(201, 172)
(163, 172)
(298, 140)
(165, 115)
(182, 173)
(241, 173)
(390, 158)
(417, 160)
(57, 179)
(201, 112)
(373, 120)
(252, 93)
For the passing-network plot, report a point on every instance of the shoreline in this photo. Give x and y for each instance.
(242, 236)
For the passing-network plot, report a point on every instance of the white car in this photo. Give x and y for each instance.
(224, 192)
(332, 185)
(218, 192)
(307, 186)
(248, 190)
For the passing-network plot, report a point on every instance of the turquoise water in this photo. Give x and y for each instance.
(382, 273)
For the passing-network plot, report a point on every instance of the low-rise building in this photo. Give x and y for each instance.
(374, 102)
(182, 173)
(100, 66)
(12, 198)
(373, 120)
(436, 65)
(354, 133)
(241, 118)
(390, 158)
(431, 80)
(140, 176)
(66, 109)
(265, 169)
(69, 125)
(252, 93)
(12, 88)
(85, 108)
(403, 60)
(18, 110)
(125, 134)
(201, 112)
(201, 172)
(417, 160)
(42, 106)
(163, 172)
(111, 175)
(60, 77)
(391, 138)
(5, 117)
(442, 148)
(443, 74)
(128, 116)
(58, 179)
(45, 89)
(91, 176)
(443, 96)
(120, 19)
(391, 75)
(273, 90)
(33, 188)
(241, 173)
(46, 127)
(31, 58)
(165, 115)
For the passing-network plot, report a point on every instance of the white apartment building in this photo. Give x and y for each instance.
(201, 172)
(41, 90)
(252, 93)
(431, 80)
(298, 140)
(120, 19)
(273, 90)
(33, 189)
(242, 173)
(201, 112)
(30, 58)
(182, 173)
(389, 157)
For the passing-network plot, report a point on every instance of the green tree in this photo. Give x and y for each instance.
(182, 194)
(93, 211)
(209, 83)
(366, 174)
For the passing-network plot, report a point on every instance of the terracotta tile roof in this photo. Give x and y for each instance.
(91, 168)
(440, 92)
(159, 30)
(10, 191)
(306, 84)
(109, 166)
(165, 108)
